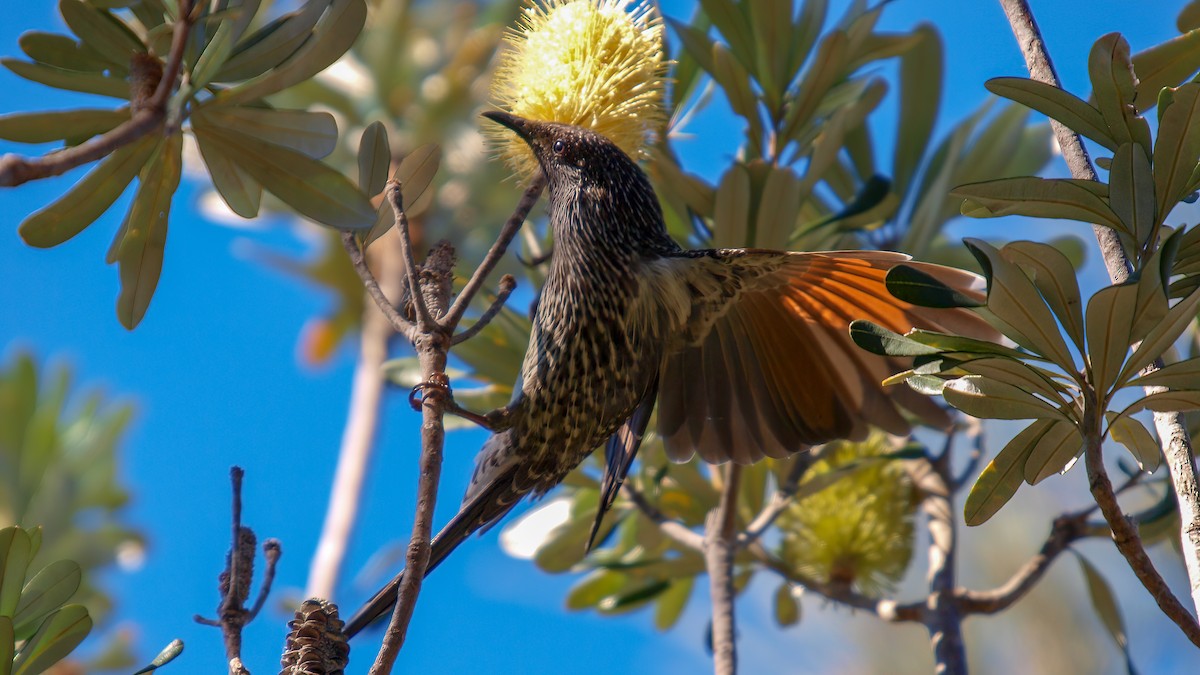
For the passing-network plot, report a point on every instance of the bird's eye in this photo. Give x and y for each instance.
(559, 147)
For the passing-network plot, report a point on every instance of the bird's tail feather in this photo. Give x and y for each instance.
(484, 508)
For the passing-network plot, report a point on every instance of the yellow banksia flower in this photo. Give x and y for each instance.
(594, 63)
(858, 531)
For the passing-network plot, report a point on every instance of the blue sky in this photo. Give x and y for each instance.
(216, 381)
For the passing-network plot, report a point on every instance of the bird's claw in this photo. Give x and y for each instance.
(439, 386)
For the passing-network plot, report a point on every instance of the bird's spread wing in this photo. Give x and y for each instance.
(763, 364)
(619, 454)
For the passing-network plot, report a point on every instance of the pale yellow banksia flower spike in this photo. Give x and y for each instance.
(594, 63)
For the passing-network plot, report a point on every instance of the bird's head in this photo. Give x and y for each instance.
(571, 156)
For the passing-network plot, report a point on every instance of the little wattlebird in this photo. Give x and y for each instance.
(745, 351)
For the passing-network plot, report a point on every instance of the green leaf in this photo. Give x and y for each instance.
(771, 24)
(1017, 307)
(594, 587)
(1177, 148)
(1165, 65)
(272, 44)
(1109, 326)
(140, 254)
(1001, 478)
(735, 83)
(1016, 373)
(1165, 401)
(1053, 453)
(313, 189)
(57, 637)
(374, 159)
(731, 209)
(214, 56)
(415, 174)
(314, 134)
(1189, 17)
(167, 655)
(1035, 197)
(695, 42)
(728, 18)
(101, 31)
(1054, 276)
(1057, 104)
(822, 73)
(672, 602)
(241, 193)
(71, 80)
(879, 340)
(15, 554)
(991, 399)
(920, 95)
(1111, 72)
(63, 52)
(915, 286)
(1162, 335)
(91, 196)
(48, 590)
(43, 127)
(1131, 434)
(778, 208)
(337, 30)
(787, 610)
(1178, 375)
(7, 645)
(1104, 602)
(956, 343)
(1131, 191)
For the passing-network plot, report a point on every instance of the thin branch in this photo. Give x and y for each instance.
(1172, 431)
(146, 117)
(974, 429)
(1066, 530)
(359, 435)
(510, 229)
(784, 495)
(399, 324)
(272, 551)
(392, 192)
(944, 619)
(720, 543)
(1126, 538)
(673, 529)
(507, 285)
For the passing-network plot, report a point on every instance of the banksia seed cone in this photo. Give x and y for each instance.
(857, 531)
(316, 644)
(593, 63)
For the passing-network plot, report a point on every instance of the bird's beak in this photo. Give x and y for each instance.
(517, 124)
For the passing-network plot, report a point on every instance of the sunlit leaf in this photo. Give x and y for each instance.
(1162, 335)
(915, 286)
(43, 127)
(920, 96)
(787, 609)
(879, 340)
(1177, 148)
(1130, 433)
(1166, 401)
(214, 56)
(1055, 103)
(1111, 72)
(1016, 373)
(241, 193)
(1053, 452)
(1179, 375)
(735, 83)
(770, 25)
(672, 602)
(415, 174)
(990, 399)
(735, 28)
(15, 555)
(731, 209)
(57, 637)
(167, 655)
(821, 74)
(594, 587)
(778, 207)
(1035, 197)
(1166, 64)
(91, 196)
(1109, 324)
(1003, 475)
(696, 42)
(1054, 276)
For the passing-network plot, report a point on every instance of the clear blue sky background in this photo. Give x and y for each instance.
(217, 383)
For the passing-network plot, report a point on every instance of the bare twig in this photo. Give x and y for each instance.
(784, 494)
(15, 170)
(675, 530)
(1066, 530)
(362, 425)
(720, 543)
(392, 192)
(510, 229)
(399, 324)
(1172, 431)
(272, 551)
(507, 284)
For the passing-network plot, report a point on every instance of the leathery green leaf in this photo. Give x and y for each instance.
(1053, 453)
(15, 554)
(374, 159)
(990, 399)
(1177, 148)
(272, 44)
(1179, 375)
(787, 609)
(695, 42)
(1109, 326)
(672, 602)
(920, 95)
(1189, 17)
(43, 127)
(1055, 103)
(879, 340)
(915, 286)
(731, 209)
(1111, 72)
(215, 53)
(101, 31)
(1036, 197)
(140, 254)
(1001, 478)
(1018, 308)
(1016, 373)
(1054, 276)
(1105, 604)
(778, 208)
(1131, 190)
(91, 196)
(415, 174)
(7, 645)
(61, 51)
(1133, 435)
(1165, 401)
(1162, 335)
(241, 193)
(1166, 64)
(71, 80)
(728, 18)
(167, 655)
(57, 637)
(312, 133)
(48, 590)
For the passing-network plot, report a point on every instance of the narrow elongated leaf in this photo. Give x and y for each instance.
(1109, 325)
(1177, 148)
(1053, 452)
(140, 255)
(43, 127)
(55, 638)
(1035, 197)
(272, 44)
(61, 51)
(1055, 103)
(241, 193)
(595, 587)
(1016, 373)
(696, 42)
(1054, 276)
(1111, 72)
(1166, 64)
(734, 26)
(415, 174)
(989, 399)
(1131, 190)
(335, 33)
(731, 211)
(374, 159)
(1179, 375)
(214, 56)
(956, 343)
(15, 555)
(48, 590)
(1162, 335)
(71, 80)
(1133, 435)
(735, 82)
(312, 133)
(778, 208)
(820, 75)
(91, 196)
(771, 23)
(1189, 17)
(101, 31)
(910, 284)
(7, 645)
(1166, 401)
(920, 96)
(1018, 307)
(1105, 604)
(672, 602)
(1001, 478)
(879, 340)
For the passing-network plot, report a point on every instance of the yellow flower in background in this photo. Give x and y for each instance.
(594, 63)
(858, 531)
